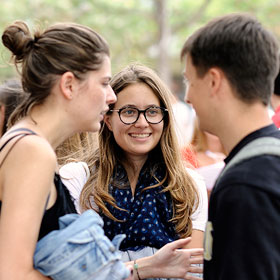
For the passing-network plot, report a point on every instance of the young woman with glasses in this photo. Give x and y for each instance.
(137, 180)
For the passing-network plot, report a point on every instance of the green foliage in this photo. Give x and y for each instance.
(130, 26)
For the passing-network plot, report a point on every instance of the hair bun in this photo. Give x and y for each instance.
(17, 38)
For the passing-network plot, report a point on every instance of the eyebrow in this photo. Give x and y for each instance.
(134, 106)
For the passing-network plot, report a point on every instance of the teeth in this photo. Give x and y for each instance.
(142, 135)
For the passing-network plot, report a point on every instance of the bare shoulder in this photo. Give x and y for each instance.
(31, 148)
(36, 145)
(33, 161)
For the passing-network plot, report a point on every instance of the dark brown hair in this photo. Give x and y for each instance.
(246, 52)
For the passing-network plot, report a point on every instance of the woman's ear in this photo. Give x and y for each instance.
(68, 85)
(107, 120)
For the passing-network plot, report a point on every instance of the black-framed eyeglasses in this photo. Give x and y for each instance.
(130, 115)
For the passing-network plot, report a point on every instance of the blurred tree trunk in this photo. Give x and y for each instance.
(161, 13)
(163, 59)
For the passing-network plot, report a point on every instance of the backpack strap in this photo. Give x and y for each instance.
(20, 136)
(260, 146)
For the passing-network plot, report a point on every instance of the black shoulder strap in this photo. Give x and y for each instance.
(20, 136)
(25, 132)
(30, 132)
(21, 129)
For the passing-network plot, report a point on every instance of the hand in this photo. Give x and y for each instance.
(130, 268)
(173, 262)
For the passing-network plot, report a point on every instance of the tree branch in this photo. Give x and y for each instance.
(194, 18)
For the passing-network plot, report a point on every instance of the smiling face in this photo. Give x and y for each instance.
(137, 139)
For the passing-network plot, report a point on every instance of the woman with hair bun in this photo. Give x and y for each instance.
(65, 74)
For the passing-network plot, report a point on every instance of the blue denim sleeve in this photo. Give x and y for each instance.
(80, 250)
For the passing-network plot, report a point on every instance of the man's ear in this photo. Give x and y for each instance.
(215, 79)
(107, 120)
(68, 85)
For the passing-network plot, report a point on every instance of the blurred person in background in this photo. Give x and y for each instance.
(11, 94)
(209, 155)
(183, 115)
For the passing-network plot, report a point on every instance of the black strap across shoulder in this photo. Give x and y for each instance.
(25, 132)
(22, 129)
(30, 132)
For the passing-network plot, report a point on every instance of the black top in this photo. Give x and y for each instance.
(244, 214)
(63, 205)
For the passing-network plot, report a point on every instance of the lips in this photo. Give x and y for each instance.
(140, 135)
(104, 112)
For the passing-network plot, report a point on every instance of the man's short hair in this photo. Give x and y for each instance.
(243, 49)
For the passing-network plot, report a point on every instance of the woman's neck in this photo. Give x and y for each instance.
(51, 124)
(133, 168)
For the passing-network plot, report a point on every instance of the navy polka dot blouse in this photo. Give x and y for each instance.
(146, 219)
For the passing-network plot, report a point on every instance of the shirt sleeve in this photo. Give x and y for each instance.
(199, 217)
(74, 175)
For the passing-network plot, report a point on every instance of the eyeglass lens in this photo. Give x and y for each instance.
(130, 115)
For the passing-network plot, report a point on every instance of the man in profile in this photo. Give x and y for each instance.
(231, 64)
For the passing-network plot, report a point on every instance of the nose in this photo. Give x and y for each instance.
(186, 97)
(111, 97)
(141, 122)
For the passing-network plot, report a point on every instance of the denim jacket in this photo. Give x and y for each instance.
(80, 250)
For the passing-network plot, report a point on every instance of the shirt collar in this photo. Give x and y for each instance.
(264, 131)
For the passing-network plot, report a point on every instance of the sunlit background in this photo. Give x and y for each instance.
(149, 31)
